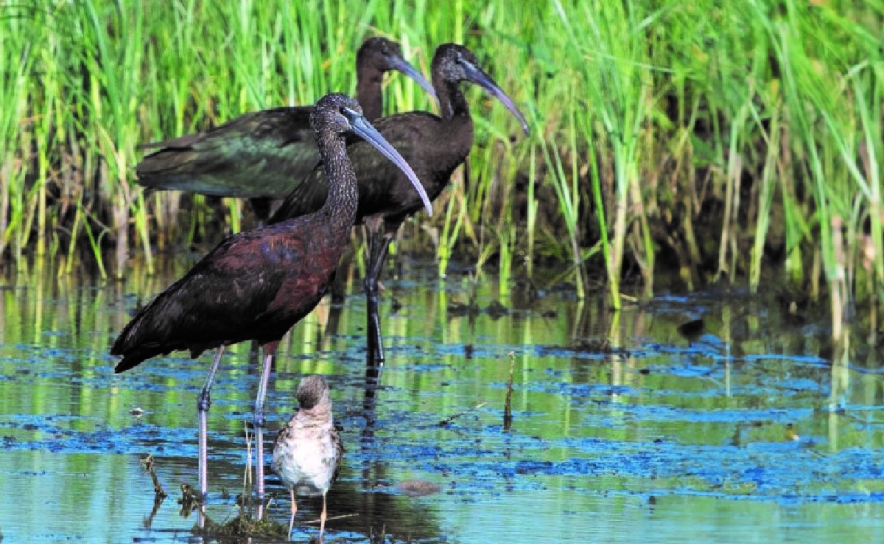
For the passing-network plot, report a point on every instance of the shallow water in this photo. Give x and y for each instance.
(622, 431)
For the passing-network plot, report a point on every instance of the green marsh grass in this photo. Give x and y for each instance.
(723, 141)
(13, 95)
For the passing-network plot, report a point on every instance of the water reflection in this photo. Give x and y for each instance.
(622, 429)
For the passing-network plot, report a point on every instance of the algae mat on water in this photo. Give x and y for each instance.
(622, 430)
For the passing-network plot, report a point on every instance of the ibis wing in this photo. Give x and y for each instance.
(262, 154)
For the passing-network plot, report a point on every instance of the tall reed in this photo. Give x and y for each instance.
(723, 140)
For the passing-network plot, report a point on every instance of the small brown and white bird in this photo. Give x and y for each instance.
(308, 450)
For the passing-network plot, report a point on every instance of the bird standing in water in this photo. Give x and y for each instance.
(263, 155)
(434, 146)
(256, 285)
(308, 451)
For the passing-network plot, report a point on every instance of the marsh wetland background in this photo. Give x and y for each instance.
(623, 430)
(714, 161)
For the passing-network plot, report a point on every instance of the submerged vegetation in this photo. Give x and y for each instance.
(724, 140)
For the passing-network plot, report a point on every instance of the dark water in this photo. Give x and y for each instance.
(623, 430)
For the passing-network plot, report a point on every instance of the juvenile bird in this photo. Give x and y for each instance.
(308, 451)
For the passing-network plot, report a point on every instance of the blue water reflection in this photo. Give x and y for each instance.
(622, 430)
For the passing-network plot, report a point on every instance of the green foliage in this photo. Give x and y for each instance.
(744, 134)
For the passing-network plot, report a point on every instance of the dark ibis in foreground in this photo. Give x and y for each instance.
(262, 155)
(308, 450)
(434, 146)
(257, 284)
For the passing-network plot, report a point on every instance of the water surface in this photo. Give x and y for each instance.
(622, 431)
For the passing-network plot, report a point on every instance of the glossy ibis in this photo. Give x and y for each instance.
(262, 155)
(308, 450)
(257, 284)
(434, 146)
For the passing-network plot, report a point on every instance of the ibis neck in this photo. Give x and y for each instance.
(452, 101)
(368, 92)
(343, 194)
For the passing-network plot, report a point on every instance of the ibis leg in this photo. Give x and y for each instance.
(269, 352)
(259, 472)
(261, 207)
(379, 244)
(338, 287)
(204, 401)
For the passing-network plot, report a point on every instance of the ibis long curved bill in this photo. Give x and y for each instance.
(398, 63)
(478, 76)
(362, 128)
